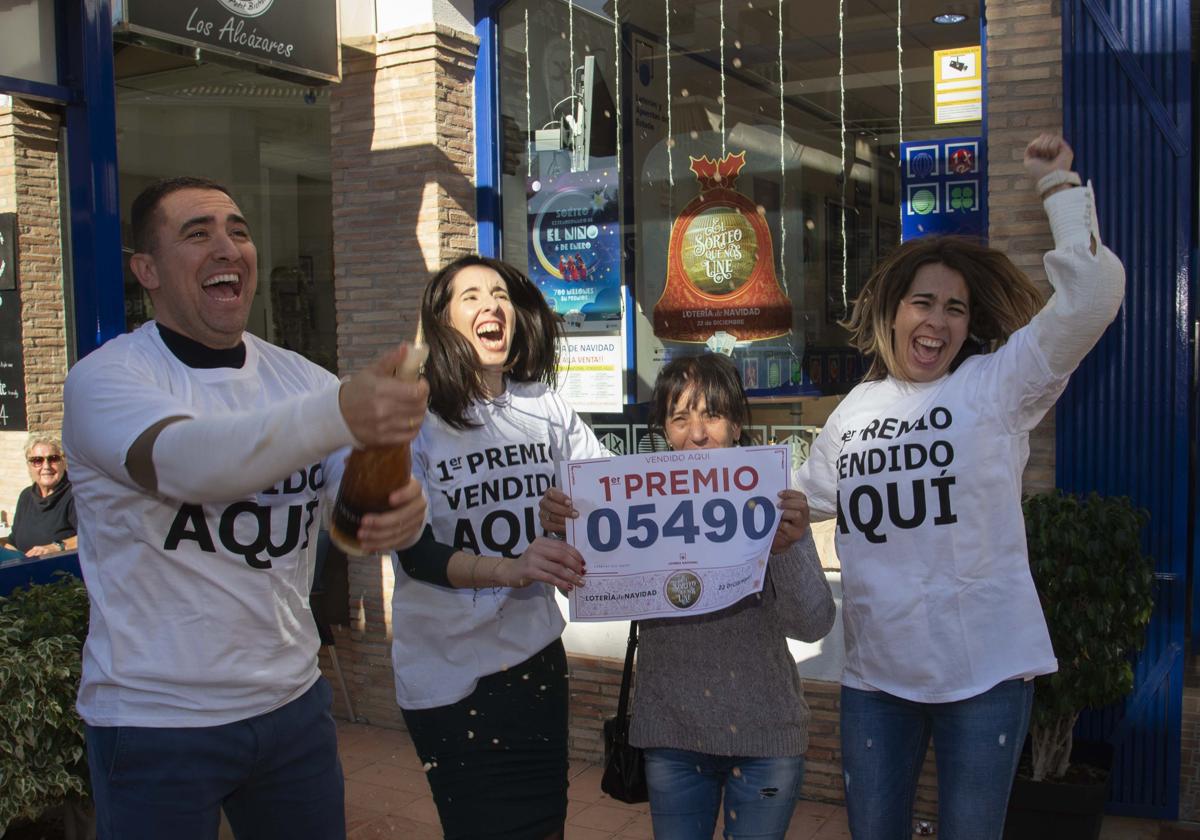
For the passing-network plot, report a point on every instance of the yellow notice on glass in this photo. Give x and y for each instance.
(958, 85)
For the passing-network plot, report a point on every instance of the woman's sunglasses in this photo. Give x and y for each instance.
(38, 460)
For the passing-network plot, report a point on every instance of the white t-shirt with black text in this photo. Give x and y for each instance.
(483, 485)
(199, 612)
(924, 480)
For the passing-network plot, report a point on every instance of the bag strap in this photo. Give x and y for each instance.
(627, 678)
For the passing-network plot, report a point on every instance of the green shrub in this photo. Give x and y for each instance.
(1096, 589)
(42, 761)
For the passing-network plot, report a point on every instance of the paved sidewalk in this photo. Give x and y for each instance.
(387, 797)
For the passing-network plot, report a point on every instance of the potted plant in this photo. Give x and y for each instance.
(42, 756)
(1096, 590)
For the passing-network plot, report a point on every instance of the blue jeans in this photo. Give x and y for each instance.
(277, 775)
(977, 743)
(685, 793)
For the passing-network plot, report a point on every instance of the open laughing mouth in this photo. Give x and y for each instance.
(491, 336)
(223, 287)
(927, 350)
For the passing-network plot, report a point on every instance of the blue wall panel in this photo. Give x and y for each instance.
(1123, 425)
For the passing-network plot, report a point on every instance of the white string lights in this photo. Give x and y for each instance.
(721, 4)
(782, 165)
(528, 117)
(571, 44)
(617, 75)
(845, 174)
(670, 132)
(900, 66)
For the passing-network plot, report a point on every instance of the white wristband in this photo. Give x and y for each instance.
(1055, 177)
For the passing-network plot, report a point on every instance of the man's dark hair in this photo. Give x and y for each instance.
(145, 206)
(453, 369)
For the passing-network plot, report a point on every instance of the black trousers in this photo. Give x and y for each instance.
(497, 760)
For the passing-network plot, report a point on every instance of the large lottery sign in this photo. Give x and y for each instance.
(673, 533)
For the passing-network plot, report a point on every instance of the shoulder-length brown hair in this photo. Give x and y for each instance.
(1002, 298)
(453, 371)
(711, 376)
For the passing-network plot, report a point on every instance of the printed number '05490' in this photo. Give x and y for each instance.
(720, 516)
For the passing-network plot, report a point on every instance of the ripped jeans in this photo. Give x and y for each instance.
(685, 794)
(977, 743)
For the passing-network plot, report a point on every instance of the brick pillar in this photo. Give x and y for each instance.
(39, 245)
(403, 162)
(1024, 59)
(29, 186)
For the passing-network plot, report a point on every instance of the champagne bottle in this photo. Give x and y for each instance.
(373, 474)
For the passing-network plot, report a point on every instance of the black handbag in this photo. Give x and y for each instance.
(624, 776)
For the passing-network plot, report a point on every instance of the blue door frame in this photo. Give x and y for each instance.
(1124, 424)
(92, 240)
(487, 129)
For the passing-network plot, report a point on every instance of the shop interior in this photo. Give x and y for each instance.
(615, 99)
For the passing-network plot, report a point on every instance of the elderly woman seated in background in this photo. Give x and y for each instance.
(44, 521)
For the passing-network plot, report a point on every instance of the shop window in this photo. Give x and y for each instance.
(732, 171)
(267, 141)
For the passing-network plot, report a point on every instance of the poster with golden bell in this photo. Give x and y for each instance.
(721, 265)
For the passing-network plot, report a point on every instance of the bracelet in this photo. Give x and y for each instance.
(1056, 177)
(474, 569)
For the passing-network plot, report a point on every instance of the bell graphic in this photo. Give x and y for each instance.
(721, 265)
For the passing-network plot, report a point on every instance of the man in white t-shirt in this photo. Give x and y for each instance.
(202, 458)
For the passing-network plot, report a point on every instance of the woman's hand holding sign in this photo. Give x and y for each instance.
(549, 561)
(793, 520)
(554, 510)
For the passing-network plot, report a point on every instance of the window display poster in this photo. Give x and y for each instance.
(591, 372)
(958, 85)
(575, 248)
(943, 186)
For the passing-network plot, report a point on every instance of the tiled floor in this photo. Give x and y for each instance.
(387, 797)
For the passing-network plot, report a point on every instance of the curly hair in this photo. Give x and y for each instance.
(453, 370)
(1002, 298)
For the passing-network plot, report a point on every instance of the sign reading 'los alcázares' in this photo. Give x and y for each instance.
(300, 36)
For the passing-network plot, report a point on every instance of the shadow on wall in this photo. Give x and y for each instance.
(402, 163)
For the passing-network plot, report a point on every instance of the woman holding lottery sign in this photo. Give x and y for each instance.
(921, 465)
(481, 674)
(718, 704)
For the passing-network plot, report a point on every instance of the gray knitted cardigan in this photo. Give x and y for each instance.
(724, 683)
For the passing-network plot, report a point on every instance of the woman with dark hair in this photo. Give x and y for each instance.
(717, 703)
(481, 674)
(921, 465)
